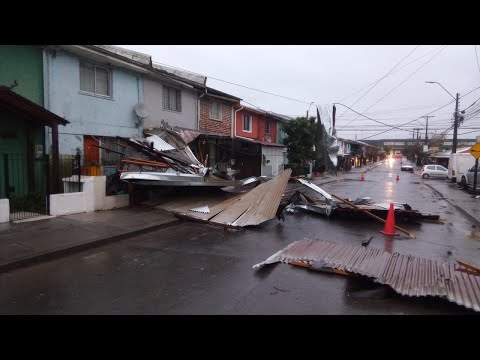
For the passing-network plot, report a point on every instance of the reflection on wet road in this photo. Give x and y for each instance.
(198, 269)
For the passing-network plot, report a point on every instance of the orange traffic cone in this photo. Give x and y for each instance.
(398, 177)
(390, 224)
(363, 177)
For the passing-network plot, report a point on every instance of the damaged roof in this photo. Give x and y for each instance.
(187, 135)
(143, 63)
(130, 54)
(198, 78)
(407, 274)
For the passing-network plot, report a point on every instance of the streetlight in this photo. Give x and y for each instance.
(455, 124)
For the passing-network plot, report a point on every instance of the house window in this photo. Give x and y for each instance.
(267, 127)
(172, 99)
(95, 79)
(247, 123)
(215, 110)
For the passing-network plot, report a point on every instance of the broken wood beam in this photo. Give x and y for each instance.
(471, 267)
(105, 148)
(150, 163)
(146, 163)
(372, 215)
(131, 194)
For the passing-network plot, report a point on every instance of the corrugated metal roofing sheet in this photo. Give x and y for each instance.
(406, 274)
(252, 208)
(130, 54)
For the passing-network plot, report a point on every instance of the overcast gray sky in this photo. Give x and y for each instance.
(324, 74)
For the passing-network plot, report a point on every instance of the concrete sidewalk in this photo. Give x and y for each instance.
(25, 243)
(464, 202)
(29, 242)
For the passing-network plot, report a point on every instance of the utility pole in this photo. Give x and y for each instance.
(426, 127)
(333, 117)
(455, 125)
(417, 130)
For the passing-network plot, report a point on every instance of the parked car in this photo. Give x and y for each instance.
(433, 171)
(467, 177)
(407, 168)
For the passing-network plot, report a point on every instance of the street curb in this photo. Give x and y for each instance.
(60, 252)
(374, 166)
(469, 217)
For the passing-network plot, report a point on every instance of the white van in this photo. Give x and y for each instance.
(458, 164)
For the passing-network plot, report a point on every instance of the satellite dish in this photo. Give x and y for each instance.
(268, 138)
(141, 111)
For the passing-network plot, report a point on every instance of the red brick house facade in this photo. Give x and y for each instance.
(211, 123)
(216, 111)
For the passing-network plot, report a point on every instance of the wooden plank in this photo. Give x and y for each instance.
(372, 215)
(151, 163)
(469, 266)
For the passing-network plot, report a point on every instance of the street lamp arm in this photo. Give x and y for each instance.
(435, 82)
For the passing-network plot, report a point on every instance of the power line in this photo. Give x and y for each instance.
(378, 81)
(476, 55)
(265, 92)
(404, 66)
(392, 126)
(469, 132)
(385, 111)
(230, 82)
(431, 112)
(402, 82)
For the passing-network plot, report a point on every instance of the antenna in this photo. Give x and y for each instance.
(142, 113)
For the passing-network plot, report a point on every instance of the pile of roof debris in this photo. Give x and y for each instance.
(302, 195)
(155, 162)
(406, 274)
(245, 209)
(167, 160)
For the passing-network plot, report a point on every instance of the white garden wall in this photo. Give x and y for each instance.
(92, 198)
(4, 210)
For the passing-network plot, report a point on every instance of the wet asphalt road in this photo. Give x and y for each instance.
(199, 269)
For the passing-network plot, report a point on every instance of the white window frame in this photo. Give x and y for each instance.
(249, 123)
(219, 112)
(178, 104)
(95, 66)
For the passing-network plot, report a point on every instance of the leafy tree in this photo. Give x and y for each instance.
(372, 153)
(413, 152)
(436, 140)
(300, 138)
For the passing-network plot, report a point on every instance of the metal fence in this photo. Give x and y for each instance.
(27, 181)
(69, 175)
